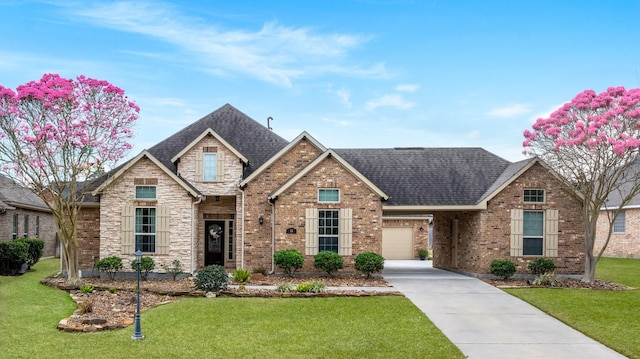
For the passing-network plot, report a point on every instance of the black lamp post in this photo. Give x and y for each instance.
(137, 334)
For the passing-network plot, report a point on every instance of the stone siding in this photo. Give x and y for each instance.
(168, 193)
(486, 235)
(623, 245)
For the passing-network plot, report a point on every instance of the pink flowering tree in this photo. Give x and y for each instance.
(594, 143)
(56, 133)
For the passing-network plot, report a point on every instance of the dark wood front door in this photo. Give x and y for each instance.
(214, 242)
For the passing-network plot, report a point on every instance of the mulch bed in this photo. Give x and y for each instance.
(566, 283)
(112, 303)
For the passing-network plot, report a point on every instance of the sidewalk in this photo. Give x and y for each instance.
(485, 322)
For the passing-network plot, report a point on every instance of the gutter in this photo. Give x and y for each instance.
(242, 231)
(273, 236)
(194, 223)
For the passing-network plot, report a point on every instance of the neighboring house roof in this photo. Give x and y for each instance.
(328, 154)
(615, 198)
(13, 195)
(246, 136)
(437, 177)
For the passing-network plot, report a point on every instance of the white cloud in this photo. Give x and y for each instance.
(473, 134)
(510, 111)
(407, 87)
(345, 97)
(274, 53)
(340, 123)
(391, 100)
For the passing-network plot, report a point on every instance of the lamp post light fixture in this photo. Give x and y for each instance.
(137, 334)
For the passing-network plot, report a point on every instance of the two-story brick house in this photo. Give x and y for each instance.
(227, 190)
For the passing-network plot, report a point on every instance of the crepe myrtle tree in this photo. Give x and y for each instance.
(56, 133)
(593, 142)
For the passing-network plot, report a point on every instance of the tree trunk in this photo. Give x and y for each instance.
(590, 263)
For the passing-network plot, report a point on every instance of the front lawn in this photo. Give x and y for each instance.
(610, 317)
(384, 326)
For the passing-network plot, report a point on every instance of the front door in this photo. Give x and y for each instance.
(214, 242)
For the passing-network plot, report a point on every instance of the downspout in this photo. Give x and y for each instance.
(242, 231)
(273, 236)
(194, 223)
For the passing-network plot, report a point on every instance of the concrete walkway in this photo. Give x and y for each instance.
(485, 322)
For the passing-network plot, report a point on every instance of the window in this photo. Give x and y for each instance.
(534, 195)
(146, 192)
(26, 226)
(619, 223)
(328, 230)
(329, 195)
(145, 229)
(210, 167)
(15, 226)
(230, 239)
(533, 233)
(37, 226)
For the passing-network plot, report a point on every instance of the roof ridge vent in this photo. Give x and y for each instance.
(408, 148)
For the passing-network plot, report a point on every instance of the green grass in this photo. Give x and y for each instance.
(610, 317)
(373, 327)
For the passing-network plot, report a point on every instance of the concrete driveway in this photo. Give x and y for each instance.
(485, 322)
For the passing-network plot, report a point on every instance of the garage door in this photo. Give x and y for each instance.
(397, 243)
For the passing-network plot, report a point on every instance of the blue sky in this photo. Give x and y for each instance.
(367, 73)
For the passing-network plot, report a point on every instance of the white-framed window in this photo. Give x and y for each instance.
(533, 233)
(619, 223)
(25, 226)
(533, 195)
(145, 192)
(145, 229)
(210, 162)
(328, 230)
(329, 195)
(14, 234)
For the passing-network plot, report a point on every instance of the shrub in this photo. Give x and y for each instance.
(113, 290)
(241, 275)
(285, 287)
(503, 268)
(86, 306)
(175, 268)
(541, 266)
(423, 253)
(310, 287)
(289, 260)
(328, 261)
(369, 262)
(13, 255)
(146, 265)
(110, 265)
(36, 247)
(87, 289)
(212, 278)
(548, 279)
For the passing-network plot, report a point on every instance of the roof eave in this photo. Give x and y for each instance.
(434, 208)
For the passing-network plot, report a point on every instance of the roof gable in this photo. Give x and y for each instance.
(303, 136)
(255, 142)
(145, 154)
(210, 132)
(327, 154)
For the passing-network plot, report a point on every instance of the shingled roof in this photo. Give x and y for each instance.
(13, 195)
(253, 140)
(429, 176)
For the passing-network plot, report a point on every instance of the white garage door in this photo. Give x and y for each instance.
(397, 243)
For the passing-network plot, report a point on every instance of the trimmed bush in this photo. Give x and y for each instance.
(502, 268)
(290, 260)
(147, 264)
(241, 275)
(36, 248)
(212, 278)
(110, 265)
(13, 255)
(541, 266)
(369, 262)
(328, 261)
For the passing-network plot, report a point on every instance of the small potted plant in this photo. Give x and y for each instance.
(423, 254)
